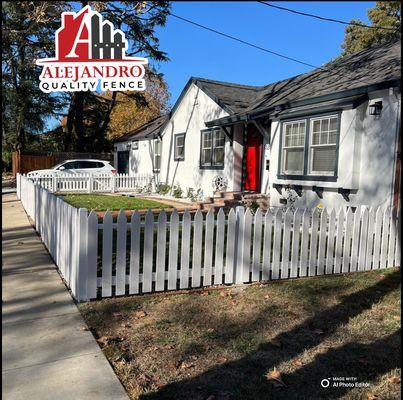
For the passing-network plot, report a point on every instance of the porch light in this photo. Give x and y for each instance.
(375, 108)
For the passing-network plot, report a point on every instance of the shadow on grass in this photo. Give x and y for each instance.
(244, 378)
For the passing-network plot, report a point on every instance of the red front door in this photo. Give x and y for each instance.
(253, 159)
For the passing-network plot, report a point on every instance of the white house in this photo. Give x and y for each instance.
(329, 136)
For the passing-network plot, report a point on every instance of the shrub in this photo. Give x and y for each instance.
(193, 195)
(163, 189)
(177, 191)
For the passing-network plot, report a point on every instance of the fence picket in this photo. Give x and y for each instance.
(173, 250)
(377, 238)
(92, 253)
(197, 248)
(285, 255)
(185, 250)
(363, 240)
(219, 250)
(338, 252)
(257, 244)
(397, 240)
(148, 252)
(161, 251)
(107, 242)
(121, 253)
(313, 260)
(392, 233)
(355, 240)
(208, 248)
(331, 243)
(238, 271)
(231, 247)
(304, 243)
(277, 245)
(268, 226)
(322, 242)
(347, 241)
(246, 246)
(134, 273)
(385, 236)
(370, 240)
(295, 243)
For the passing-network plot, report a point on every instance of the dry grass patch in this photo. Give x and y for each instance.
(233, 343)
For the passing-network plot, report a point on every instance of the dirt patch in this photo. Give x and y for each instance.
(274, 341)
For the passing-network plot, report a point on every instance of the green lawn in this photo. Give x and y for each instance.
(102, 202)
(222, 344)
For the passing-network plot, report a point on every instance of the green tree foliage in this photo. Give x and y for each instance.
(28, 34)
(384, 14)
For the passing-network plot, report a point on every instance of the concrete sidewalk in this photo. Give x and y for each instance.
(47, 353)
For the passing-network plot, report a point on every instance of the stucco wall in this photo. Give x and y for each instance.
(366, 159)
(190, 116)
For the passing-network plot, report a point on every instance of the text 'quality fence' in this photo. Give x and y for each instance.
(102, 257)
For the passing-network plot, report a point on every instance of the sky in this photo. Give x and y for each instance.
(196, 52)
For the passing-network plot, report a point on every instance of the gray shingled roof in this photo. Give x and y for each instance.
(234, 96)
(368, 67)
(150, 129)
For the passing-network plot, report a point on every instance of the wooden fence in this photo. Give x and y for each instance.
(92, 183)
(151, 253)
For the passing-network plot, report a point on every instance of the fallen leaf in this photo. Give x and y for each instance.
(382, 276)
(224, 293)
(210, 330)
(233, 302)
(396, 317)
(394, 379)
(103, 340)
(169, 346)
(186, 365)
(275, 342)
(140, 314)
(84, 328)
(267, 297)
(275, 376)
(127, 326)
(297, 362)
(204, 293)
(372, 396)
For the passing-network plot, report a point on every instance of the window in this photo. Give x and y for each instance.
(323, 146)
(294, 147)
(157, 154)
(212, 149)
(70, 165)
(87, 164)
(179, 149)
(310, 146)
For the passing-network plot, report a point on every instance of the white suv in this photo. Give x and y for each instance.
(88, 166)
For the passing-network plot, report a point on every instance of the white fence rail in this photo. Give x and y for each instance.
(92, 183)
(151, 253)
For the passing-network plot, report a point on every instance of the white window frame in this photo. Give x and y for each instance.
(155, 154)
(213, 138)
(176, 137)
(284, 148)
(323, 146)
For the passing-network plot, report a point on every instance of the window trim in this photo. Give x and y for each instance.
(176, 136)
(211, 165)
(306, 176)
(293, 147)
(154, 154)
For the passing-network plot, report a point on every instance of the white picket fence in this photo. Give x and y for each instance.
(90, 183)
(151, 253)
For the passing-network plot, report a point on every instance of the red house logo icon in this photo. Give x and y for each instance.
(89, 53)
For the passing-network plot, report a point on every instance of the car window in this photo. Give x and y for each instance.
(87, 164)
(100, 165)
(70, 165)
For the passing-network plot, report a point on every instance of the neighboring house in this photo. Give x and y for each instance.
(329, 136)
